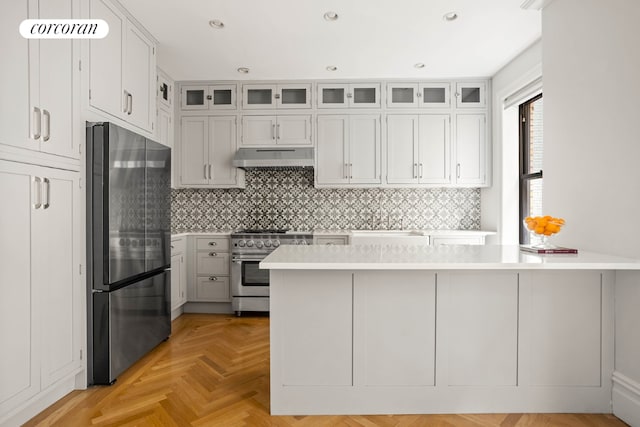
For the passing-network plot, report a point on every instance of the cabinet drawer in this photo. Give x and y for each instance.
(178, 246)
(336, 240)
(213, 288)
(212, 263)
(218, 244)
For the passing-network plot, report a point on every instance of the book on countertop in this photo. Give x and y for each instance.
(558, 250)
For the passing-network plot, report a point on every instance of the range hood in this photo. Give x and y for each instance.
(280, 158)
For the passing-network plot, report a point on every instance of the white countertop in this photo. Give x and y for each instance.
(445, 257)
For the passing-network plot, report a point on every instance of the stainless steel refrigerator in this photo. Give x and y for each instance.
(128, 248)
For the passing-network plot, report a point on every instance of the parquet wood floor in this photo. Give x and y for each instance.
(214, 371)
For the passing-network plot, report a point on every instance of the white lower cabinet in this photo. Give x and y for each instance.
(41, 309)
(348, 150)
(211, 263)
(178, 273)
(207, 147)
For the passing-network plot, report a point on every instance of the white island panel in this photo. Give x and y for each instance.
(394, 328)
(479, 328)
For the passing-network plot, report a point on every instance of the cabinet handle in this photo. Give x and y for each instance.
(278, 131)
(213, 244)
(415, 170)
(345, 169)
(213, 254)
(37, 189)
(349, 95)
(35, 122)
(209, 170)
(276, 96)
(205, 171)
(130, 103)
(46, 134)
(420, 170)
(458, 170)
(125, 107)
(273, 131)
(46, 185)
(418, 94)
(209, 97)
(213, 278)
(350, 170)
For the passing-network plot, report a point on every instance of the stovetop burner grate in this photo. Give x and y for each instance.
(262, 231)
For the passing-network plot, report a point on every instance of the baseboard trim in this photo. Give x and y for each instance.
(38, 403)
(626, 399)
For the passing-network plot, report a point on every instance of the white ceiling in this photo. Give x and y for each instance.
(289, 39)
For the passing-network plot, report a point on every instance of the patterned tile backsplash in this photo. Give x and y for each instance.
(287, 199)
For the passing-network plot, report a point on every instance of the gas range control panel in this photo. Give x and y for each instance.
(268, 242)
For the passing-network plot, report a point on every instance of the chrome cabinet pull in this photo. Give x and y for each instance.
(276, 96)
(420, 170)
(125, 107)
(37, 189)
(46, 184)
(213, 244)
(35, 123)
(205, 171)
(273, 131)
(47, 125)
(349, 95)
(278, 131)
(209, 170)
(415, 170)
(130, 104)
(458, 170)
(213, 278)
(350, 170)
(345, 169)
(213, 254)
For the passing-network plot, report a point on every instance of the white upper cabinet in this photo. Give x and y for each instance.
(257, 96)
(208, 97)
(260, 131)
(344, 95)
(418, 95)
(207, 147)
(348, 150)
(39, 109)
(418, 149)
(470, 151)
(122, 69)
(471, 95)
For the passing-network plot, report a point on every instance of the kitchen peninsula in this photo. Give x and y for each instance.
(375, 329)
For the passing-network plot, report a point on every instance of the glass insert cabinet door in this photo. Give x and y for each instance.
(339, 95)
(470, 94)
(276, 96)
(212, 97)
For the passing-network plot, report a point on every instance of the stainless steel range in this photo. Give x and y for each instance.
(249, 284)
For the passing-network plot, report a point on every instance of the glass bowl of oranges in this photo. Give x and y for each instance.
(542, 228)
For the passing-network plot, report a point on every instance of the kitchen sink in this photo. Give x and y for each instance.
(388, 237)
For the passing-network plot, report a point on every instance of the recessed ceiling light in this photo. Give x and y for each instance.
(451, 16)
(243, 70)
(332, 68)
(216, 23)
(419, 65)
(331, 16)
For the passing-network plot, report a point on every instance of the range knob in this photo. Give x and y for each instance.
(276, 243)
(250, 244)
(259, 244)
(241, 243)
(267, 243)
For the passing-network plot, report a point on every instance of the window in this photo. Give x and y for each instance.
(531, 154)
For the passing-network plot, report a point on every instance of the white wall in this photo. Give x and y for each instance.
(500, 202)
(591, 68)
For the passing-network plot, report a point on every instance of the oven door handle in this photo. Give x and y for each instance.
(239, 260)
